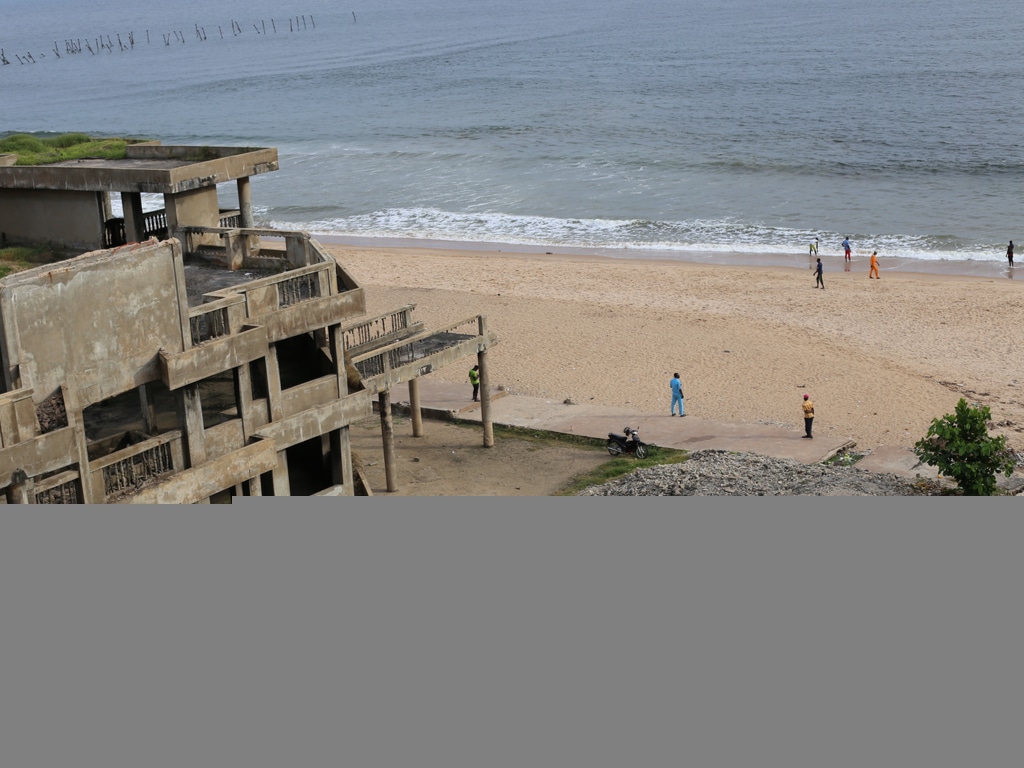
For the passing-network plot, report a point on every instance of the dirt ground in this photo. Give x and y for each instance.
(449, 460)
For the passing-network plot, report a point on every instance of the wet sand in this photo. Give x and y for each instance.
(880, 358)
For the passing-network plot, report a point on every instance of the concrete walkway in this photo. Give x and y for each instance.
(443, 400)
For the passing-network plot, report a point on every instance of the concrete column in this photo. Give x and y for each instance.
(20, 489)
(341, 460)
(103, 200)
(255, 486)
(134, 224)
(336, 342)
(243, 399)
(275, 401)
(387, 431)
(148, 409)
(191, 408)
(485, 390)
(282, 486)
(245, 202)
(414, 407)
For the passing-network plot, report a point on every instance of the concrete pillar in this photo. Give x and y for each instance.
(414, 408)
(275, 400)
(148, 410)
(134, 223)
(243, 399)
(387, 431)
(341, 460)
(485, 390)
(20, 489)
(245, 202)
(255, 486)
(103, 200)
(336, 342)
(282, 486)
(191, 408)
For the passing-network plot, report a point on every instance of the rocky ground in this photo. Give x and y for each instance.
(720, 473)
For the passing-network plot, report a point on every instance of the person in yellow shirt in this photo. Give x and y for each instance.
(874, 266)
(808, 415)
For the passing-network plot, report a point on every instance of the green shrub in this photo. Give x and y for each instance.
(960, 446)
(66, 140)
(22, 143)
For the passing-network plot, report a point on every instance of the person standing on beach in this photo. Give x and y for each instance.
(814, 248)
(677, 395)
(873, 272)
(1009, 253)
(846, 248)
(474, 379)
(808, 416)
(819, 282)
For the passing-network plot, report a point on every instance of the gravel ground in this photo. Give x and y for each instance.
(721, 473)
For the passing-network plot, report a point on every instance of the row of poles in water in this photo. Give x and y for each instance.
(98, 44)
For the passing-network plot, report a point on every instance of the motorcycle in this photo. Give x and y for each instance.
(628, 442)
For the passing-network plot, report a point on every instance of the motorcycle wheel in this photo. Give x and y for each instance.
(614, 449)
(641, 451)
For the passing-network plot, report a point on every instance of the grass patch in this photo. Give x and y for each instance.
(41, 150)
(623, 465)
(542, 436)
(609, 470)
(843, 459)
(18, 258)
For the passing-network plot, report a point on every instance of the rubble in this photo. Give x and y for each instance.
(723, 473)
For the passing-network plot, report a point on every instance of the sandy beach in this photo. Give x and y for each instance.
(880, 358)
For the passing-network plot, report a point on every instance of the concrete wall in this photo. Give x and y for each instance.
(67, 219)
(95, 322)
(198, 208)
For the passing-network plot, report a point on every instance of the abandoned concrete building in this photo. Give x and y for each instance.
(203, 358)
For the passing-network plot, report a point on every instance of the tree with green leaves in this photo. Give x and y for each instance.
(960, 446)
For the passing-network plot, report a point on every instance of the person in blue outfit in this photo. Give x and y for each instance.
(819, 281)
(677, 395)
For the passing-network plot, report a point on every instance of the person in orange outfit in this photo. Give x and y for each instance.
(808, 416)
(874, 266)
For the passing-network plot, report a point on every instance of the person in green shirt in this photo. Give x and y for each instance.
(474, 379)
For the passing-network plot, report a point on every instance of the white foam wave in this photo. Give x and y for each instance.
(720, 236)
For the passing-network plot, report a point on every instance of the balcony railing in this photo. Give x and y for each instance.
(215, 319)
(397, 355)
(154, 224)
(302, 287)
(385, 328)
(132, 468)
(63, 488)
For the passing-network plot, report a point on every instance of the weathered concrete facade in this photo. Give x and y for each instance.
(157, 372)
(67, 204)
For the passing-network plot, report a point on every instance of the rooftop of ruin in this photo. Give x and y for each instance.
(148, 167)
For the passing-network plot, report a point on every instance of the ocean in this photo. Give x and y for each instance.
(663, 127)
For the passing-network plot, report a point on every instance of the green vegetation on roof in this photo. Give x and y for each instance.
(36, 150)
(19, 258)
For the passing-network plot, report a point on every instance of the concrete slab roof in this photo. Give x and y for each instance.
(147, 168)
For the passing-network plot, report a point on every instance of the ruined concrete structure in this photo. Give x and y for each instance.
(68, 204)
(221, 361)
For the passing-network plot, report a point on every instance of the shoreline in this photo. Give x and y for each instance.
(994, 268)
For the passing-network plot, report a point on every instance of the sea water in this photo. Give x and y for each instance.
(660, 126)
